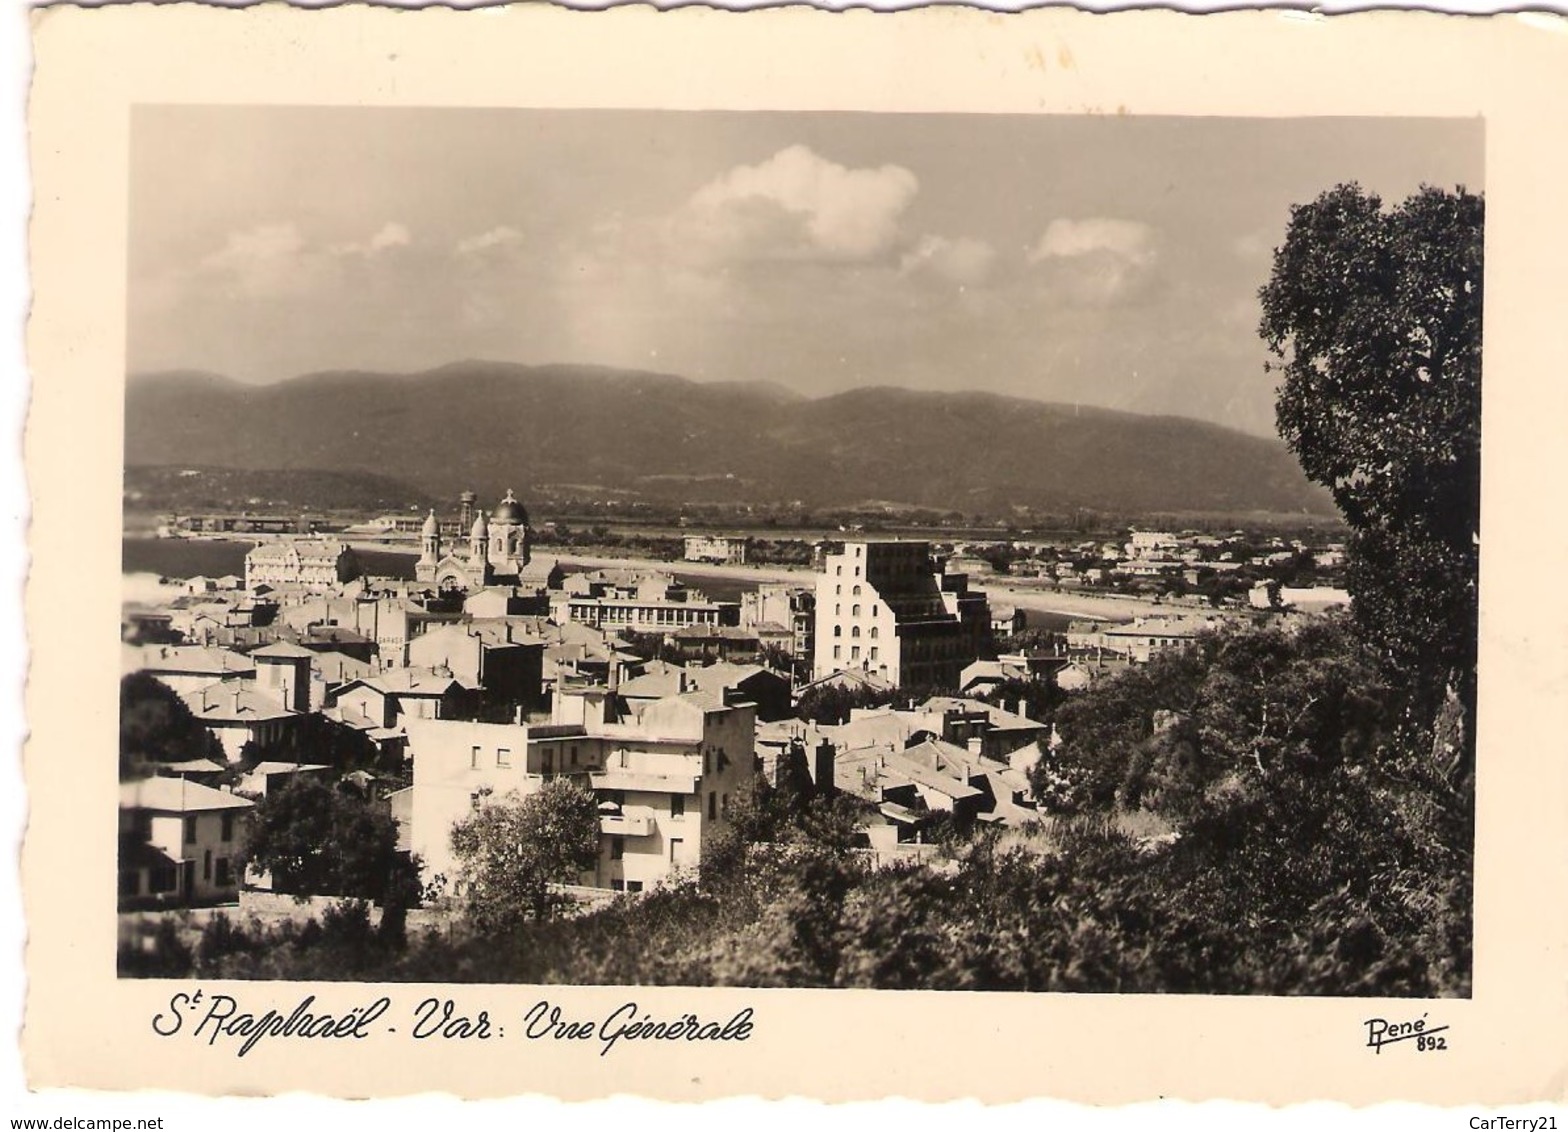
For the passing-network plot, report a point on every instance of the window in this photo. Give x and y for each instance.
(473, 758)
(873, 610)
(855, 612)
(574, 754)
(618, 885)
(163, 879)
(713, 806)
(855, 632)
(838, 589)
(676, 845)
(873, 653)
(228, 827)
(634, 886)
(838, 570)
(724, 805)
(503, 758)
(854, 653)
(838, 630)
(855, 593)
(617, 848)
(873, 632)
(190, 831)
(677, 805)
(225, 872)
(206, 865)
(837, 649)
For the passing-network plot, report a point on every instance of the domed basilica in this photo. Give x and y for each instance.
(498, 548)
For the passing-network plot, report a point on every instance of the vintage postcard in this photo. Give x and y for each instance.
(699, 555)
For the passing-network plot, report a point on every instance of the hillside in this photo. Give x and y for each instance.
(490, 426)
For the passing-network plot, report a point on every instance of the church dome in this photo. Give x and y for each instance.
(479, 530)
(431, 527)
(510, 511)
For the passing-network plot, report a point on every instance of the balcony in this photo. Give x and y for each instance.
(633, 821)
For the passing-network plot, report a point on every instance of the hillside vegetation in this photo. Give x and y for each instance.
(488, 427)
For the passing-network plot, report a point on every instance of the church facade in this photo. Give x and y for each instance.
(498, 548)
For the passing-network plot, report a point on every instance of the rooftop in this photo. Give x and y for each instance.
(177, 795)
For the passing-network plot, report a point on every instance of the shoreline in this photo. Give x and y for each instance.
(1000, 590)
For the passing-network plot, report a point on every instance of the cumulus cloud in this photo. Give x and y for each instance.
(797, 205)
(276, 259)
(259, 244)
(389, 235)
(1098, 261)
(501, 237)
(962, 260)
(267, 259)
(1070, 239)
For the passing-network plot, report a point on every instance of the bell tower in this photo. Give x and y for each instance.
(477, 536)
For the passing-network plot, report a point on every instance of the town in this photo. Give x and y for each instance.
(914, 679)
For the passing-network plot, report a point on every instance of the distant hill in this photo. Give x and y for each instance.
(490, 426)
(187, 490)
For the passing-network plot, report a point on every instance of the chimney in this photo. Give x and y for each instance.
(823, 776)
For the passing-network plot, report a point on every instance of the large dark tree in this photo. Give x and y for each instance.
(157, 727)
(318, 840)
(1375, 316)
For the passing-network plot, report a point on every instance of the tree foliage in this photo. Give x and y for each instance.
(511, 849)
(1375, 316)
(157, 727)
(318, 840)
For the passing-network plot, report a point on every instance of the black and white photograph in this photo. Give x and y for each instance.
(849, 564)
(964, 552)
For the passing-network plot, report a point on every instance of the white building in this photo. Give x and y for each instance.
(178, 840)
(885, 608)
(1151, 544)
(721, 549)
(665, 774)
(313, 564)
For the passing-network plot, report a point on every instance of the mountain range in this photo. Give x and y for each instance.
(558, 430)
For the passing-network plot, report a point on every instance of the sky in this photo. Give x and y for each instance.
(1096, 260)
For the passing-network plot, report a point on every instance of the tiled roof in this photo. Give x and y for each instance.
(930, 779)
(194, 660)
(282, 650)
(189, 766)
(232, 702)
(176, 795)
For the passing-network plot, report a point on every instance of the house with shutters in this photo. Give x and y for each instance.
(178, 843)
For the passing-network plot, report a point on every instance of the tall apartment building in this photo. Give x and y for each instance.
(666, 773)
(888, 608)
